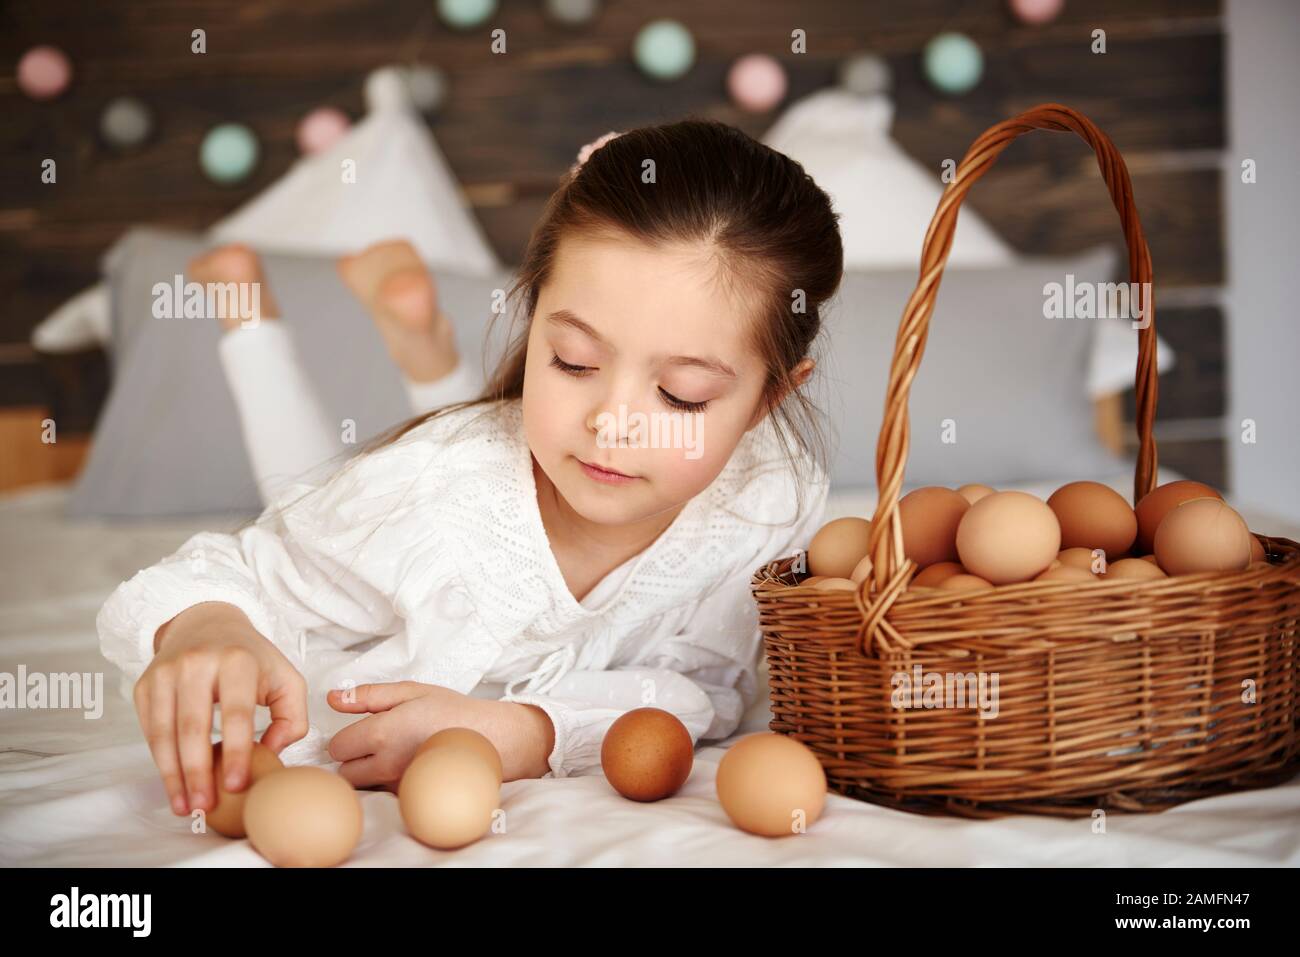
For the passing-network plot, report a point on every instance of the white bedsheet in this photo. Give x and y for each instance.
(77, 792)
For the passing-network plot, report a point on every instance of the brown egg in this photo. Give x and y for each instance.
(929, 517)
(303, 817)
(1093, 515)
(838, 546)
(227, 818)
(1257, 565)
(467, 738)
(448, 796)
(964, 582)
(1257, 553)
(647, 754)
(771, 784)
(1065, 573)
(1135, 569)
(1008, 537)
(1081, 558)
(1202, 535)
(973, 492)
(932, 575)
(837, 584)
(861, 570)
(1155, 505)
(1151, 559)
(813, 580)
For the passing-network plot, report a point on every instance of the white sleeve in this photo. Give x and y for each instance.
(706, 674)
(459, 385)
(350, 558)
(283, 422)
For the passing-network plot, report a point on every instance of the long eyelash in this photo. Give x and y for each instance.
(580, 372)
(682, 404)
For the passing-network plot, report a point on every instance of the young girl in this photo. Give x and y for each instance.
(515, 539)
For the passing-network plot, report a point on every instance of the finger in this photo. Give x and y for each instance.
(343, 699)
(237, 693)
(287, 699)
(375, 697)
(194, 730)
(357, 740)
(156, 703)
(367, 772)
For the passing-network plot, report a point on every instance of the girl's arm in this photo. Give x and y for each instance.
(350, 559)
(346, 558)
(706, 675)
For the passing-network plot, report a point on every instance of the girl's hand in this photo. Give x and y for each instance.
(211, 653)
(376, 750)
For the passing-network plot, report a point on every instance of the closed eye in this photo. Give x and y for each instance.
(581, 372)
(682, 404)
(576, 371)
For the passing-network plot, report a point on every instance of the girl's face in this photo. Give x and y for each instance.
(638, 361)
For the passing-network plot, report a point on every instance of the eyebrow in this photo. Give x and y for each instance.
(564, 317)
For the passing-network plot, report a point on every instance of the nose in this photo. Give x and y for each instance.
(607, 419)
(606, 426)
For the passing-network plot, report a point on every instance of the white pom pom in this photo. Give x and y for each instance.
(386, 89)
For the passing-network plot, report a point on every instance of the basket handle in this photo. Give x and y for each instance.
(891, 571)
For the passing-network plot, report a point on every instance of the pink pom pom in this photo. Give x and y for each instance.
(756, 82)
(1036, 12)
(320, 129)
(44, 72)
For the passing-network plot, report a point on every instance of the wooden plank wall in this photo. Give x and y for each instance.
(513, 123)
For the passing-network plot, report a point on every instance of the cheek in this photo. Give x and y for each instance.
(703, 453)
(549, 411)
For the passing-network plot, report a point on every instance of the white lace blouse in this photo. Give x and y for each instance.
(427, 560)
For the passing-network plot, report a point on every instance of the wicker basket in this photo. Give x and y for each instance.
(1123, 695)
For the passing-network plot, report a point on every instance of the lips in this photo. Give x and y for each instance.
(603, 468)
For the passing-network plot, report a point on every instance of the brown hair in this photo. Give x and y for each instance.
(771, 228)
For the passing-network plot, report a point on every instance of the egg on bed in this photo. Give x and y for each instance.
(771, 785)
(647, 754)
(449, 794)
(303, 816)
(227, 818)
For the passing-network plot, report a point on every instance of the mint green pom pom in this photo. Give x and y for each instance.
(464, 14)
(664, 49)
(953, 62)
(229, 152)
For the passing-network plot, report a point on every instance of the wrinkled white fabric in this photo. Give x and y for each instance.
(427, 560)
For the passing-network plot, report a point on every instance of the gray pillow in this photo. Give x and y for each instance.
(1011, 381)
(168, 440)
